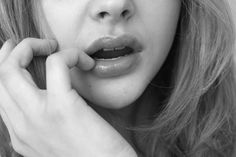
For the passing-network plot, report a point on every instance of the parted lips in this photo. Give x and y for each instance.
(108, 47)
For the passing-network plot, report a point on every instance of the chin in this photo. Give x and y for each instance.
(114, 102)
(114, 98)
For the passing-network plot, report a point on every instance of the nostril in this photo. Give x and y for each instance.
(125, 13)
(103, 14)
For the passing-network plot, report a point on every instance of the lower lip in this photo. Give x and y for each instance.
(117, 66)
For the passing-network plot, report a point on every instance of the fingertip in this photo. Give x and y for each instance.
(85, 62)
(53, 44)
(90, 64)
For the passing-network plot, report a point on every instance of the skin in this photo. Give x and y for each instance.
(78, 26)
(58, 122)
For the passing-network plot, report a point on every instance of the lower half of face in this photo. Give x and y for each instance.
(120, 90)
(153, 23)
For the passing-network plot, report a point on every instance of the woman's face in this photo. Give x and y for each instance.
(144, 28)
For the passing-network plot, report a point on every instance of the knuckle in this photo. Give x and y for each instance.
(25, 44)
(26, 41)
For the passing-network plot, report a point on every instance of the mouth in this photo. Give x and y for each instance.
(115, 56)
(112, 53)
(108, 48)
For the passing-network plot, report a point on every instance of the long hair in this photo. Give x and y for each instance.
(18, 21)
(197, 116)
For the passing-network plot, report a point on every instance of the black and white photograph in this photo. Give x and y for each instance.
(117, 78)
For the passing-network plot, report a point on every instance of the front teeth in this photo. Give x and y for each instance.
(113, 49)
(120, 48)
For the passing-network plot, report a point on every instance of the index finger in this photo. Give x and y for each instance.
(58, 68)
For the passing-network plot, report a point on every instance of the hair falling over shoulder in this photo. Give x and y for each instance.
(198, 115)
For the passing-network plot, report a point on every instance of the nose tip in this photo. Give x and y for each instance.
(112, 10)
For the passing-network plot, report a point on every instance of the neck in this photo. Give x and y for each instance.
(123, 116)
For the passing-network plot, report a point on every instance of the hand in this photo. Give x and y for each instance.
(55, 122)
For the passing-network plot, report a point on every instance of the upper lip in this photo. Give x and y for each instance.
(125, 40)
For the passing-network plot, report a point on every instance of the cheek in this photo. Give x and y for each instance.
(160, 32)
(159, 19)
(61, 22)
